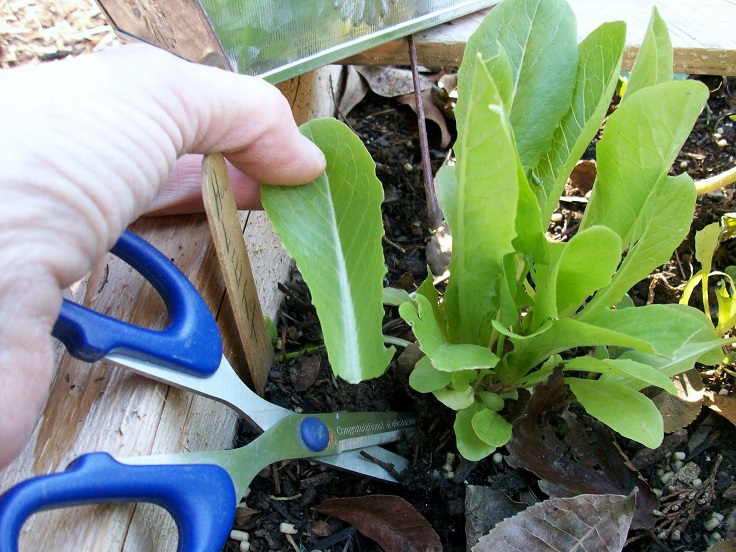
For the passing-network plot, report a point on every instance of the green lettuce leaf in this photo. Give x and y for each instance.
(597, 74)
(483, 187)
(332, 229)
(640, 142)
(622, 409)
(654, 61)
(539, 38)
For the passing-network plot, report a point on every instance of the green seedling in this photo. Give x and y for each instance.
(707, 242)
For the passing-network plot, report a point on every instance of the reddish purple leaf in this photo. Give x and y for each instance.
(575, 456)
(390, 521)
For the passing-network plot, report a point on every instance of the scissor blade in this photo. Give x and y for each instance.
(357, 430)
(376, 462)
(283, 442)
(224, 386)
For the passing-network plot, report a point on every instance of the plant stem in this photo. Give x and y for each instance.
(434, 211)
(396, 341)
(716, 182)
(303, 351)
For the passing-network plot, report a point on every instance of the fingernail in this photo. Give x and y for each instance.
(313, 151)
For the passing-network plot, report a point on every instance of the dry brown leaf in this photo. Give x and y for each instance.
(585, 522)
(725, 405)
(583, 176)
(392, 81)
(353, 91)
(388, 520)
(304, 374)
(431, 113)
(574, 456)
(444, 95)
(680, 410)
(724, 546)
(484, 508)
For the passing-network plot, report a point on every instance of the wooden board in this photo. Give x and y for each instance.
(702, 34)
(101, 407)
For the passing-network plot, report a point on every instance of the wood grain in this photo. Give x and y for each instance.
(227, 235)
(702, 35)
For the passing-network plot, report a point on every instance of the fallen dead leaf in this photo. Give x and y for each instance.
(680, 410)
(583, 176)
(388, 520)
(392, 81)
(585, 522)
(304, 373)
(444, 94)
(353, 91)
(484, 508)
(431, 113)
(725, 405)
(724, 546)
(574, 456)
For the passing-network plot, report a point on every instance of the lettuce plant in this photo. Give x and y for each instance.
(517, 305)
(530, 99)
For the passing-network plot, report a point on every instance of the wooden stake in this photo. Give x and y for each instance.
(227, 235)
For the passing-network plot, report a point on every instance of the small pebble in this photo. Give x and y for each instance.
(723, 391)
(657, 492)
(556, 217)
(722, 143)
(665, 477)
(676, 535)
(660, 472)
(683, 164)
(244, 546)
(711, 524)
(719, 516)
(497, 458)
(287, 528)
(677, 465)
(716, 536)
(697, 482)
(679, 455)
(717, 135)
(408, 167)
(239, 536)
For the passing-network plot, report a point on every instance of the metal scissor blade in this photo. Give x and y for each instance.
(368, 461)
(288, 440)
(224, 386)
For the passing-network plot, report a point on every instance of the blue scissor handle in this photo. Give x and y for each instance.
(200, 497)
(191, 343)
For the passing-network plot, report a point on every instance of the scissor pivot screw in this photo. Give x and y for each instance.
(315, 434)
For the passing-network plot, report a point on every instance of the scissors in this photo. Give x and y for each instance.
(199, 489)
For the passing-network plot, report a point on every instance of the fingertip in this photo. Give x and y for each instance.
(315, 157)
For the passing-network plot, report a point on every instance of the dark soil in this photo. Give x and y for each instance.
(292, 490)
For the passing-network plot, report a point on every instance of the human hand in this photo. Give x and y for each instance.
(86, 146)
